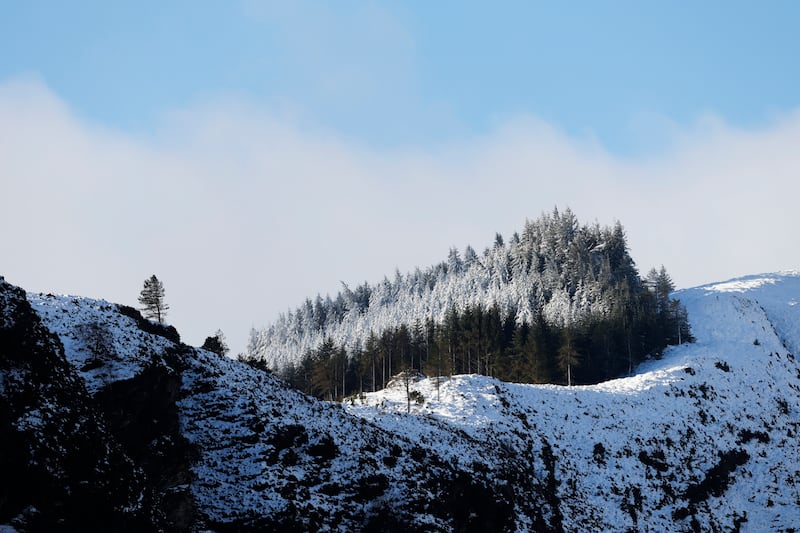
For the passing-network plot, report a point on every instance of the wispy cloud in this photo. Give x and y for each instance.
(243, 213)
(354, 65)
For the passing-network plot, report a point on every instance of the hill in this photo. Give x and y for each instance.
(109, 422)
(560, 303)
(704, 439)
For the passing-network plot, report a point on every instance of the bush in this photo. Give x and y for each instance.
(417, 397)
(154, 328)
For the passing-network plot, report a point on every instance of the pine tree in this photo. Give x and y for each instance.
(152, 299)
(324, 382)
(574, 288)
(568, 357)
(660, 284)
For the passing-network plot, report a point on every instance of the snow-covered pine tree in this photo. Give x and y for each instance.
(554, 275)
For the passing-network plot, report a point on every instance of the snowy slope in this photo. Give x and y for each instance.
(705, 438)
(64, 466)
(266, 457)
(95, 332)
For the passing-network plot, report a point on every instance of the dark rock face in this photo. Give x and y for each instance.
(60, 469)
(155, 328)
(70, 461)
(142, 415)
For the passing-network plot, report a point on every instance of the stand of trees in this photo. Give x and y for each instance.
(481, 341)
(562, 303)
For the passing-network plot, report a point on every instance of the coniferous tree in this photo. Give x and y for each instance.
(369, 360)
(517, 365)
(568, 357)
(216, 343)
(527, 309)
(324, 382)
(152, 299)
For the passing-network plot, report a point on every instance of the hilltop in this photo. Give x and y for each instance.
(562, 302)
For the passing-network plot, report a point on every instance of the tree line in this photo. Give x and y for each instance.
(485, 340)
(556, 270)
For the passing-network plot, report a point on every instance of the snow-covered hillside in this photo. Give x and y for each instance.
(705, 438)
(255, 454)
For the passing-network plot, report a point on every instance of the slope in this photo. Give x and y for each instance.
(703, 439)
(228, 447)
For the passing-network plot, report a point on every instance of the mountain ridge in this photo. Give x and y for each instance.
(704, 438)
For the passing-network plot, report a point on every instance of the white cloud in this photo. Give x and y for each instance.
(243, 215)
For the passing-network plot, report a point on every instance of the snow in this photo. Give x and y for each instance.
(742, 285)
(244, 470)
(627, 453)
(706, 396)
(86, 326)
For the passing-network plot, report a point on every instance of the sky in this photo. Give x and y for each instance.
(252, 154)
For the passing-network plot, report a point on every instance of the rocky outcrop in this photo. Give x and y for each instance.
(142, 414)
(74, 461)
(60, 469)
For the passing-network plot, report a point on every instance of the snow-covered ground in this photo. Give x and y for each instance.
(704, 438)
(267, 457)
(94, 330)
(637, 451)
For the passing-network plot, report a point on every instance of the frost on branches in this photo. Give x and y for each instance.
(561, 302)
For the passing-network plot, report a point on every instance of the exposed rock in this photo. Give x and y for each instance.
(61, 469)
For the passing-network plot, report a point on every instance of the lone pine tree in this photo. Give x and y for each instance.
(152, 299)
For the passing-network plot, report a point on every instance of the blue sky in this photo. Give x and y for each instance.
(414, 73)
(285, 147)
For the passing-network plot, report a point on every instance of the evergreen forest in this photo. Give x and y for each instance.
(560, 303)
